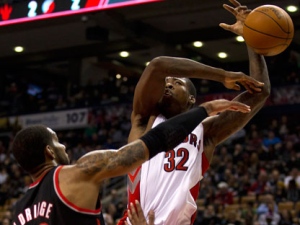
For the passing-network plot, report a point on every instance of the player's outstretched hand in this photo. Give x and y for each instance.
(240, 12)
(136, 216)
(216, 106)
(233, 80)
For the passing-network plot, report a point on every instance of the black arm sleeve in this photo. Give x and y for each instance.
(172, 132)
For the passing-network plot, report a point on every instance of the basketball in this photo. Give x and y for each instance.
(268, 29)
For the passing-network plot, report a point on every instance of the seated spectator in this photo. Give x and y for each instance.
(254, 142)
(294, 174)
(5, 221)
(275, 181)
(224, 196)
(210, 216)
(232, 219)
(270, 217)
(261, 186)
(272, 139)
(264, 206)
(286, 217)
(248, 214)
(292, 191)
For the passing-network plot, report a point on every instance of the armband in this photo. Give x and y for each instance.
(173, 131)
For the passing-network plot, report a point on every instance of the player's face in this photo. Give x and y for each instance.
(61, 157)
(176, 95)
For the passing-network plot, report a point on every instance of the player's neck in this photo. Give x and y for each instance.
(40, 171)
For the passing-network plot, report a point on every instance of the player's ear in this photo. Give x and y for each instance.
(192, 100)
(49, 152)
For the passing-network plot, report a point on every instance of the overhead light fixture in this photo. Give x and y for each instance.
(124, 54)
(240, 39)
(198, 44)
(222, 55)
(118, 76)
(18, 49)
(292, 8)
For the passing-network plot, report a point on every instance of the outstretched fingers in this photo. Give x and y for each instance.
(225, 26)
(235, 3)
(230, 9)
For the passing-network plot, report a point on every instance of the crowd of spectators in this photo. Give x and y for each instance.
(22, 96)
(251, 175)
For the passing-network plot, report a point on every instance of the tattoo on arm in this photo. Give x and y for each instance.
(118, 161)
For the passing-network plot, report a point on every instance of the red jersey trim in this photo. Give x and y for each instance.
(35, 183)
(66, 201)
(205, 163)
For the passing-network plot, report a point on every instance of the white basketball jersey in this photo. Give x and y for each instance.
(169, 182)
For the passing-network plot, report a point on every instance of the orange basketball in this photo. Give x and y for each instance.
(269, 30)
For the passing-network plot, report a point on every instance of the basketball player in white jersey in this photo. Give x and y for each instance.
(169, 183)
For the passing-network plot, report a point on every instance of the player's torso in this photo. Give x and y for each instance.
(168, 182)
(43, 204)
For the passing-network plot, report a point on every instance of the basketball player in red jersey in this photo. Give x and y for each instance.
(169, 183)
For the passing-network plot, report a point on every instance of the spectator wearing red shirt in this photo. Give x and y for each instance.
(262, 185)
(224, 196)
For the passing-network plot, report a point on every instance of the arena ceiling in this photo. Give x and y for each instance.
(146, 31)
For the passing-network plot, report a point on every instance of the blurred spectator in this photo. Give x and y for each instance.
(286, 217)
(205, 187)
(248, 213)
(6, 221)
(271, 139)
(52, 95)
(209, 216)
(232, 218)
(294, 162)
(237, 153)
(264, 207)
(224, 196)
(108, 219)
(270, 217)
(254, 142)
(293, 191)
(277, 185)
(244, 185)
(275, 180)
(293, 174)
(254, 164)
(283, 126)
(261, 185)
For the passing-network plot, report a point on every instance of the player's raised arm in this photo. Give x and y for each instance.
(218, 128)
(151, 85)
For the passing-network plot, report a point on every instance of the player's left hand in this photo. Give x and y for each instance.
(240, 12)
(136, 216)
(250, 84)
